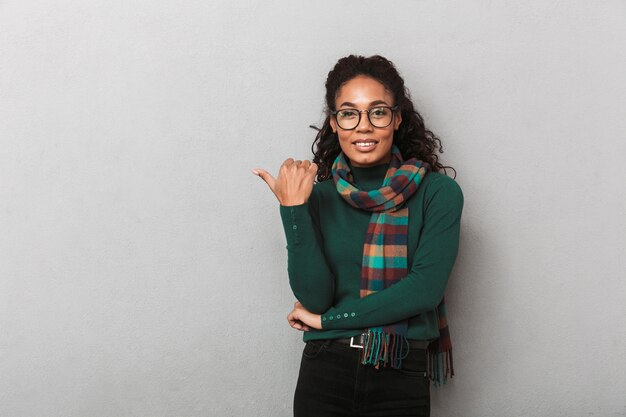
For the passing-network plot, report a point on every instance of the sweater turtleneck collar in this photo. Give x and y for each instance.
(370, 178)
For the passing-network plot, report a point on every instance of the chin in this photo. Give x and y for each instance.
(364, 161)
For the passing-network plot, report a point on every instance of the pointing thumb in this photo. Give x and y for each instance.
(265, 176)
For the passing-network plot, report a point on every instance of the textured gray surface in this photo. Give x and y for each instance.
(143, 269)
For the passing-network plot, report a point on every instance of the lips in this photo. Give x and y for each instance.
(365, 144)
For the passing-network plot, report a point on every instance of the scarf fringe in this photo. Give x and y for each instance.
(384, 348)
(440, 364)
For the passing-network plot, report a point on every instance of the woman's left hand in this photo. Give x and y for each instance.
(302, 319)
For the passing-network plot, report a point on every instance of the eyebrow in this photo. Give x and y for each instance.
(373, 103)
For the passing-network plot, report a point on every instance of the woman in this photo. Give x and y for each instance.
(370, 249)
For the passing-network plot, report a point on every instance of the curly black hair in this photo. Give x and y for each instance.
(412, 137)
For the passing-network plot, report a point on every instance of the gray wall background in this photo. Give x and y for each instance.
(143, 269)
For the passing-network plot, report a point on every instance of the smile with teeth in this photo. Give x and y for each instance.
(364, 144)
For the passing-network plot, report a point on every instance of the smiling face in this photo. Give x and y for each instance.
(366, 145)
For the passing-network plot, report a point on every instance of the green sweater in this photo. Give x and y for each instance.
(325, 239)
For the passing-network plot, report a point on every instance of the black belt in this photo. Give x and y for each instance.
(357, 342)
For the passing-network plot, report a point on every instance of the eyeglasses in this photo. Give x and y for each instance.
(349, 119)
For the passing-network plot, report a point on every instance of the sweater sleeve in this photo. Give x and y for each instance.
(423, 287)
(310, 278)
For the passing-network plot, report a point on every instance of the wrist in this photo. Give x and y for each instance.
(292, 202)
(317, 322)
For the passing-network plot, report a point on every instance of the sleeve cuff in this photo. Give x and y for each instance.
(297, 223)
(336, 318)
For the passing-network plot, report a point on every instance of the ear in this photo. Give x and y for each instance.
(333, 123)
(397, 119)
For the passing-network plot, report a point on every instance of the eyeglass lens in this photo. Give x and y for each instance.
(378, 117)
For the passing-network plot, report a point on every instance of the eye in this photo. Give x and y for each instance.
(347, 114)
(379, 112)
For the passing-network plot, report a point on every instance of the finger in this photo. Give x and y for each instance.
(265, 176)
(293, 322)
(296, 325)
(306, 164)
(313, 168)
(288, 162)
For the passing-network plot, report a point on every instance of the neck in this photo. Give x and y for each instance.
(369, 178)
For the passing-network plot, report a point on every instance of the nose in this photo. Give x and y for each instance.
(364, 124)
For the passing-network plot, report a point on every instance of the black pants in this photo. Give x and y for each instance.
(333, 383)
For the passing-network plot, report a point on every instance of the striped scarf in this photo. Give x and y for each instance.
(385, 259)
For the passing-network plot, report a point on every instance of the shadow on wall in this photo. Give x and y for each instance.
(473, 298)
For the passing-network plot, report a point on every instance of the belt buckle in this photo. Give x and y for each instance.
(353, 345)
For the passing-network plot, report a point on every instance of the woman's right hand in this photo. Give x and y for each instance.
(294, 183)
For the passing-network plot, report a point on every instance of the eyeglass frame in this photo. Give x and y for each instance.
(393, 115)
